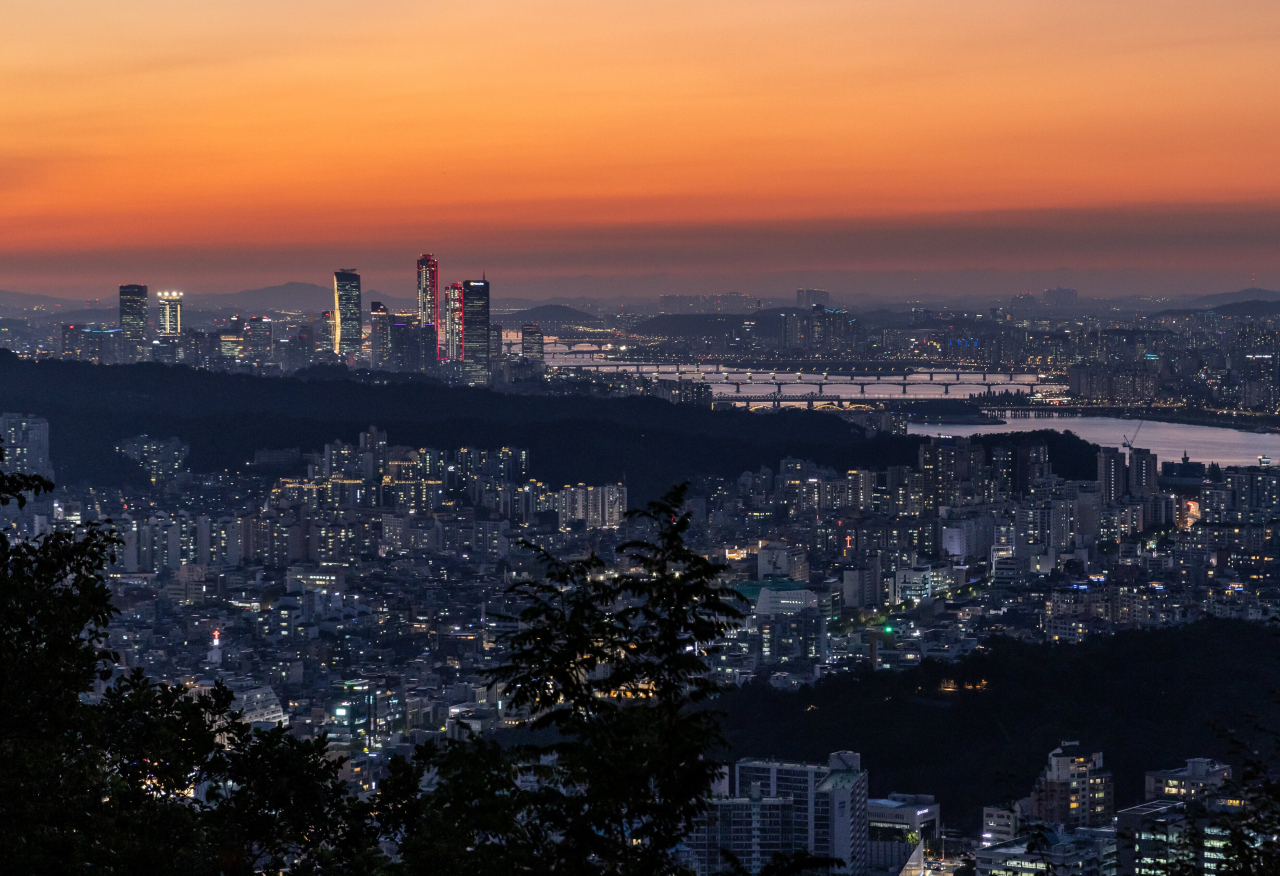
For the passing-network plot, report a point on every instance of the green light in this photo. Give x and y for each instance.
(888, 629)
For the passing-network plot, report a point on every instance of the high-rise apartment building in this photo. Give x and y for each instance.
(1142, 473)
(531, 342)
(347, 335)
(133, 320)
(1112, 475)
(451, 334)
(1074, 790)
(787, 807)
(475, 332)
(170, 312)
(379, 337)
(1202, 777)
(428, 291)
(26, 445)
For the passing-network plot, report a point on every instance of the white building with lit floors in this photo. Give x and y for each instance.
(780, 807)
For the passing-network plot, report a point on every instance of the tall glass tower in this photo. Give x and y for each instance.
(133, 320)
(429, 293)
(451, 338)
(347, 337)
(475, 331)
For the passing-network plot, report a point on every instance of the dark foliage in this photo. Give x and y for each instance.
(153, 778)
(1070, 455)
(1148, 700)
(611, 669)
(225, 418)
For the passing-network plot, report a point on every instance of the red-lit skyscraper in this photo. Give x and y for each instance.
(429, 294)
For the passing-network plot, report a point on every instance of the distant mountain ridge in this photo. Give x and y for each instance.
(1221, 298)
(548, 316)
(28, 300)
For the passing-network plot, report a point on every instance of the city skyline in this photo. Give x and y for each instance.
(737, 148)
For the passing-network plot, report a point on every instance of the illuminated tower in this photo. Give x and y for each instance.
(475, 327)
(428, 292)
(347, 337)
(451, 339)
(133, 319)
(170, 312)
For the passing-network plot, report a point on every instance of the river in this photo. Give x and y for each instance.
(1167, 440)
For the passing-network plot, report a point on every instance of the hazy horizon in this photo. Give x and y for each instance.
(629, 148)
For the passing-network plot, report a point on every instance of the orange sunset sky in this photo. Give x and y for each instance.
(639, 146)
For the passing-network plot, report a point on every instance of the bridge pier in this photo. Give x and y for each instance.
(904, 387)
(862, 387)
(946, 389)
(737, 387)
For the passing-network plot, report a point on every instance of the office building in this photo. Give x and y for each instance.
(347, 335)
(379, 337)
(475, 332)
(410, 345)
(1201, 778)
(256, 342)
(1161, 836)
(26, 445)
(101, 346)
(429, 292)
(807, 298)
(531, 342)
(1074, 790)
(170, 312)
(897, 825)
(1083, 853)
(495, 342)
(451, 334)
(133, 320)
(1000, 824)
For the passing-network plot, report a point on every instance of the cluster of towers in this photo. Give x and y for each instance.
(451, 325)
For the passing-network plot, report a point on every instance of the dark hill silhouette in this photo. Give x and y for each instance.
(225, 418)
(548, 316)
(1221, 298)
(293, 297)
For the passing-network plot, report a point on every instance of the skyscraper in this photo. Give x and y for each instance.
(133, 320)
(379, 337)
(408, 343)
(170, 312)
(256, 346)
(428, 290)
(475, 340)
(347, 337)
(451, 336)
(531, 341)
